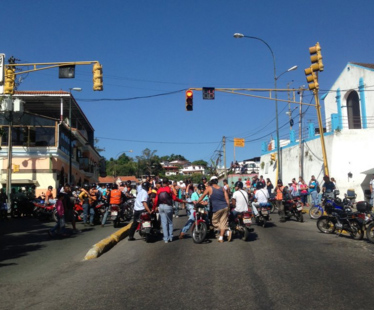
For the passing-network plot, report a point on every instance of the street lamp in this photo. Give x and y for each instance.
(117, 157)
(70, 136)
(239, 36)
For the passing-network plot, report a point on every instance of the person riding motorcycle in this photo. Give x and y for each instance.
(190, 206)
(114, 197)
(239, 200)
(261, 197)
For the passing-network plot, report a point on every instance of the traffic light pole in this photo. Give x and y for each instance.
(322, 137)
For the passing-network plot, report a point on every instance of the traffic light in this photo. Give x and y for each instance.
(272, 157)
(97, 76)
(189, 100)
(9, 80)
(311, 78)
(316, 57)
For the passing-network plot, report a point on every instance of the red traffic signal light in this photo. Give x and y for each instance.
(189, 100)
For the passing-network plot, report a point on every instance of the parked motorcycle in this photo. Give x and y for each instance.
(317, 211)
(341, 220)
(241, 224)
(364, 213)
(44, 212)
(293, 208)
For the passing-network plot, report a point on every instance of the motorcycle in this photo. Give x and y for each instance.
(122, 213)
(341, 220)
(200, 226)
(364, 213)
(44, 212)
(145, 226)
(241, 224)
(263, 214)
(316, 212)
(293, 207)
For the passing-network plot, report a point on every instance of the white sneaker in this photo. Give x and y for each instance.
(177, 216)
(173, 215)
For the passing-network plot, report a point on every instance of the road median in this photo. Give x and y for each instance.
(106, 244)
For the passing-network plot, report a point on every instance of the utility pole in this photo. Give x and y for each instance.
(224, 155)
(301, 172)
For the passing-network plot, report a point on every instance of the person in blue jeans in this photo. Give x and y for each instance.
(313, 190)
(164, 202)
(190, 207)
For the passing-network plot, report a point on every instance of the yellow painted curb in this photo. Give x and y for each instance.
(107, 243)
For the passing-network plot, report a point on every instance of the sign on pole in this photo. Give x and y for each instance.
(239, 142)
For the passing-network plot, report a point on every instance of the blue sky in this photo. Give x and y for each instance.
(155, 47)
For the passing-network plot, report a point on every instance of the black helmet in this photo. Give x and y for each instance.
(201, 187)
(259, 185)
(115, 186)
(203, 178)
(93, 185)
(128, 183)
(146, 185)
(86, 187)
(239, 184)
(50, 187)
(280, 182)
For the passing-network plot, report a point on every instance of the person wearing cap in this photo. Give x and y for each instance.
(220, 207)
(164, 202)
(278, 200)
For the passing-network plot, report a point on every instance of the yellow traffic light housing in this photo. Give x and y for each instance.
(97, 76)
(189, 100)
(272, 157)
(316, 57)
(9, 80)
(311, 78)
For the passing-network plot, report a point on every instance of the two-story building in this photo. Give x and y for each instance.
(45, 144)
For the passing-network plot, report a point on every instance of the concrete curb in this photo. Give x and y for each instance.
(106, 244)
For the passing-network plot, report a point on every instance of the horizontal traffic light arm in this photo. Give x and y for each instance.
(48, 65)
(240, 91)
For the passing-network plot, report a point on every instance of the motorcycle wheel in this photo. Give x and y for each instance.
(127, 214)
(359, 233)
(147, 238)
(14, 213)
(245, 233)
(315, 212)
(326, 225)
(272, 209)
(264, 223)
(370, 232)
(116, 223)
(301, 217)
(199, 233)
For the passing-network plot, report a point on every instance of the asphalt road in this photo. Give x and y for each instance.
(286, 266)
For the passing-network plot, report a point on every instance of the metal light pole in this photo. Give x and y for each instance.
(70, 135)
(240, 35)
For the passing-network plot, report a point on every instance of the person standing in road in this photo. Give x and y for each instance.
(227, 187)
(278, 200)
(60, 225)
(303, 191)
(176, 191)
(220, 207)
(140, 206)
(313, 190)
(372, 189)
(164, 202)
(69, 202)
(84, 199)
(3, 205)
(269, 186)
(328, 186)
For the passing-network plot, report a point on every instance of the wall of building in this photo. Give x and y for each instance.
(348, 151)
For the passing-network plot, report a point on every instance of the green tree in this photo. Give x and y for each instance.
(200, 163)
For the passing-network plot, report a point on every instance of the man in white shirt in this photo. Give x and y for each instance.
(261, 197)
(140, 206)
(239, 199)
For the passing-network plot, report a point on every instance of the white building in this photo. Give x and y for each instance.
(349, 122)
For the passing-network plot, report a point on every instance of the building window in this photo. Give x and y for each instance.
(353, 111)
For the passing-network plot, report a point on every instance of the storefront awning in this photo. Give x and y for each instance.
(370, 171)
(22, 181)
